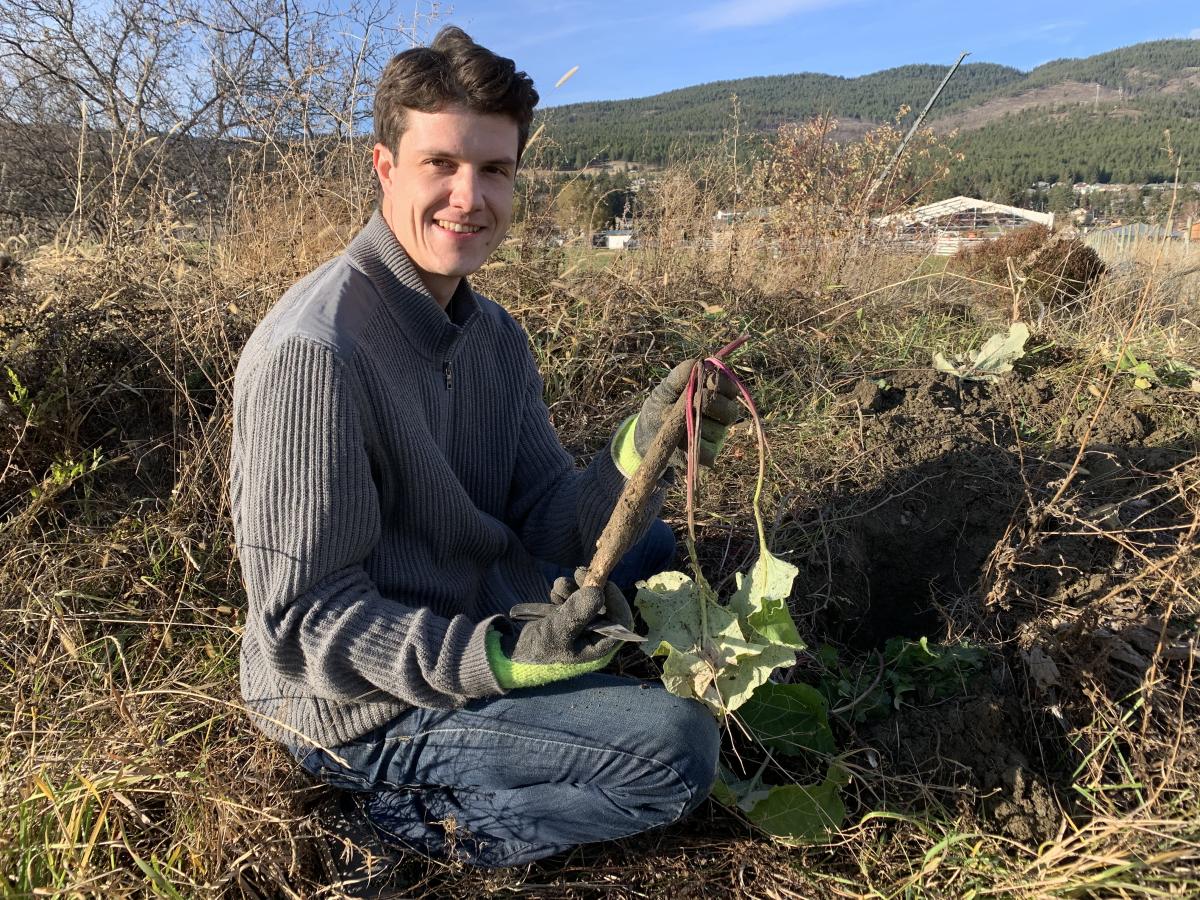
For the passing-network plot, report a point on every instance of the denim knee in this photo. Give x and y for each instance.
(701, 737)
(690, 743)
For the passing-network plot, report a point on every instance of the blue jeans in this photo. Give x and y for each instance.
(508, 780)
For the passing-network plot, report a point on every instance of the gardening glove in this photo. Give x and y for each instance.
(721, 409)
(615, 622)
(556, 640)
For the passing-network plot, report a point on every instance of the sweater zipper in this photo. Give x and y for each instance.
(447, 374)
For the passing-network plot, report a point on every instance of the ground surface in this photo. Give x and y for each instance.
(1047, 523)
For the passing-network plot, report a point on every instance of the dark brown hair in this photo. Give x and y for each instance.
(452, 71)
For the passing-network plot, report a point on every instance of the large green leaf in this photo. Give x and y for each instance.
(800, 814)
(789, 718)
(761, 600)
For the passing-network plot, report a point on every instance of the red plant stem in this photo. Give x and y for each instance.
(730, 347)
(695, 403)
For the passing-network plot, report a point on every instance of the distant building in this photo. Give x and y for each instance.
(614, 239)
(753, 214)
(948, 225)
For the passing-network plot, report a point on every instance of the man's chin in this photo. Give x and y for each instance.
(461, 268)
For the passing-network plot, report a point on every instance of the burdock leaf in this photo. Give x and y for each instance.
(997, 355)
(993, 359)
(737, 682)
(670, 604)
(760, 600)
(687, 675)
(797, 814)
(789, 718)
(944, 365)
(700, 646)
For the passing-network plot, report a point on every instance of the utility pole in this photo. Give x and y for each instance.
(887, 170)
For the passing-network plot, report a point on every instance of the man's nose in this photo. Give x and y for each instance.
(466, 191)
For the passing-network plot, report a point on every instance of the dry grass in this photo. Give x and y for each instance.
(126, 764)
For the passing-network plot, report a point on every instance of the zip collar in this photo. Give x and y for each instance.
(378, 255)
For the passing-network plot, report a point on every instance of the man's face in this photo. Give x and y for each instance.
(448, 191)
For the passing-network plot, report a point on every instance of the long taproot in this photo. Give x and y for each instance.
(619, 534)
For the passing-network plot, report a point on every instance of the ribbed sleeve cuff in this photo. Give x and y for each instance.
(478, 676)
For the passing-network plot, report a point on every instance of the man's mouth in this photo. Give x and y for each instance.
(458, 227)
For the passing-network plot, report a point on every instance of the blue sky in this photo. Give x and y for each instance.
(632, 49)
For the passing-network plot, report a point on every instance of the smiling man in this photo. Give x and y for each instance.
(398, 497)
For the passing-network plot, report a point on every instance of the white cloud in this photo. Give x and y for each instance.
(1194, 34)
(747, 13)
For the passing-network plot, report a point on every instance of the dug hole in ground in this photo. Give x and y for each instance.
(953, 535)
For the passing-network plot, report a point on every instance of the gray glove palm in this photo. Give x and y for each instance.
(557, 632)
(721, 410)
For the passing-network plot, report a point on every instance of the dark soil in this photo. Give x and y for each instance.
(947, 531)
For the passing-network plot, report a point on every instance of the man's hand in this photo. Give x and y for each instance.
(557, 632)
(721, 409)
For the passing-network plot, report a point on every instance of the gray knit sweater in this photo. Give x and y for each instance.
(394, 476)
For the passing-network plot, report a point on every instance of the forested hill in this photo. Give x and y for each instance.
(1110, 107)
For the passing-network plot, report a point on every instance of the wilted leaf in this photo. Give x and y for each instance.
(708, 656)
(997, 355)
(789, 718)
(670, 604)
(944, 365)
(993, 359)
(686, 674)
(1042, 668)
(761, 600)
(737, 683)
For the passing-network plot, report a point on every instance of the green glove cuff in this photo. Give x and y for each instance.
(624, 451)
(523, 675)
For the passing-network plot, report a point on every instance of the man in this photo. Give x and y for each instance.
(397, 489)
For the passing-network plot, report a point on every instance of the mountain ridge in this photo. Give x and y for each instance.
(1137, 79)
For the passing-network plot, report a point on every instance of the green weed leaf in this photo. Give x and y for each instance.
(798, 814)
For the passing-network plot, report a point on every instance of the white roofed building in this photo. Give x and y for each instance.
(948, 225)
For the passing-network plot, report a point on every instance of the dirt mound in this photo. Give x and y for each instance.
(956, 525)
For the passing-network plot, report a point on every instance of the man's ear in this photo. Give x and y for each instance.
(382, 162)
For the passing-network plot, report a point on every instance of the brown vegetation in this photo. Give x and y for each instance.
(1048, 268)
